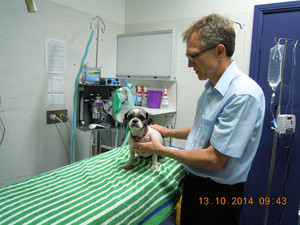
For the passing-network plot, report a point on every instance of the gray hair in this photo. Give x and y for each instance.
(213, 29)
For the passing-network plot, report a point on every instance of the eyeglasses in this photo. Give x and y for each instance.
(192, 57)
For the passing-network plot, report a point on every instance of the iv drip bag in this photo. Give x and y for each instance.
(275, 65)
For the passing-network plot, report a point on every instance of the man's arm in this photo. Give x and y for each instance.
(175, 133)
(208, 158)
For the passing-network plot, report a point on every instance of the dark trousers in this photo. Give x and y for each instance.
(206, 202)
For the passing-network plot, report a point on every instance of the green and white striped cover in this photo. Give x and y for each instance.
(95, 191)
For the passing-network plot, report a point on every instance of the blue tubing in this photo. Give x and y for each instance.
(75, 98)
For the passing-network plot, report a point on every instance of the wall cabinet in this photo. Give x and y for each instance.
(147, 55)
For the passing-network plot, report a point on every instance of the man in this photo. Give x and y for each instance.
(225, 135)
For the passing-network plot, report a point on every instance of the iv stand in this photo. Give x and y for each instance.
(271, 171)
(102, 29)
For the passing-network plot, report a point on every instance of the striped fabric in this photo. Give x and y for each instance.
(96, 190)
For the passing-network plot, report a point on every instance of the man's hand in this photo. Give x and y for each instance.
(162, 130)
(151, 147)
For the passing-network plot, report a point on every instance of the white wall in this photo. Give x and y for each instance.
(144, 15)
(145, 11)
(113, 10)
(31, 147)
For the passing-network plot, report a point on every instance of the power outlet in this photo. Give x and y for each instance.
(61, 114)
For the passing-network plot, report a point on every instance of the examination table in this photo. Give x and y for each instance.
(97, 190)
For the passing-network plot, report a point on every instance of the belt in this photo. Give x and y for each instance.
(193, 176)
(208, 180)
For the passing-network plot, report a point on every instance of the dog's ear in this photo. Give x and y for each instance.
(125, 120)
(148, 119)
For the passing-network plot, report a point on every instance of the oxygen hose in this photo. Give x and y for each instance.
(75, 98)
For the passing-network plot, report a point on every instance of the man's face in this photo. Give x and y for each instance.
(204, 64)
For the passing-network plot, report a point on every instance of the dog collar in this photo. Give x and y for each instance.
(139, 138)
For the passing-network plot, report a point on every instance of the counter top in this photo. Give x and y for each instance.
(160, 111)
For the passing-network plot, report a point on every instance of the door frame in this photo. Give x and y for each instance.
(259, 12)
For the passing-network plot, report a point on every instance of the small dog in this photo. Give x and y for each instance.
(138, 121)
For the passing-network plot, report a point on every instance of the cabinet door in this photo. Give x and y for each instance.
(149, 55)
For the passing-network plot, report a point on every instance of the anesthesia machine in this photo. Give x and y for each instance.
(95, 99)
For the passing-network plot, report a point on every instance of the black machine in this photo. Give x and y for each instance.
(94, 104)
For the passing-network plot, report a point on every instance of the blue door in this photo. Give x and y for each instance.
(275, 21)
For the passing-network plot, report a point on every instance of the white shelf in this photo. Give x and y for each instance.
(154, 112)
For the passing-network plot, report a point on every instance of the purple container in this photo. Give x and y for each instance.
(154, 99)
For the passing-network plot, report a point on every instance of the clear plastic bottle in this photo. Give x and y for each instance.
(139, 96)
(145, 98)
(165, 99)
(97, 108)
(275, 65)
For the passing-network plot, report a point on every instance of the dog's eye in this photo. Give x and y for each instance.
(141, 117)
(129, 117)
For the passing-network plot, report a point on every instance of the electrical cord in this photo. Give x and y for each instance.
(91, 143)
(4, 130)
(69, 120)
(2, 127)
(286, 176)
(54, 117)
(61, 138)
(292, 81)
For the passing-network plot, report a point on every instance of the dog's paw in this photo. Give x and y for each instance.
(154, 167)
(161, 160)
(128, 166)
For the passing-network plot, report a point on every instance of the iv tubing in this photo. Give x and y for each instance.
(292, 81)
(75, 98)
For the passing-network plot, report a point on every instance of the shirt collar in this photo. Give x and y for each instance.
(225, 80)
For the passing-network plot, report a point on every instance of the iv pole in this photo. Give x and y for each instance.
(102, 29)
(271, 171)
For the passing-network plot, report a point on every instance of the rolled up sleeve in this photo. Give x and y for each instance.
(235, 125)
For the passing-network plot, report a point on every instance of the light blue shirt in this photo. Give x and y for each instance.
(230, 118)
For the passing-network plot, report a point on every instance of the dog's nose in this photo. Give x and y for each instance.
(135, 121)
